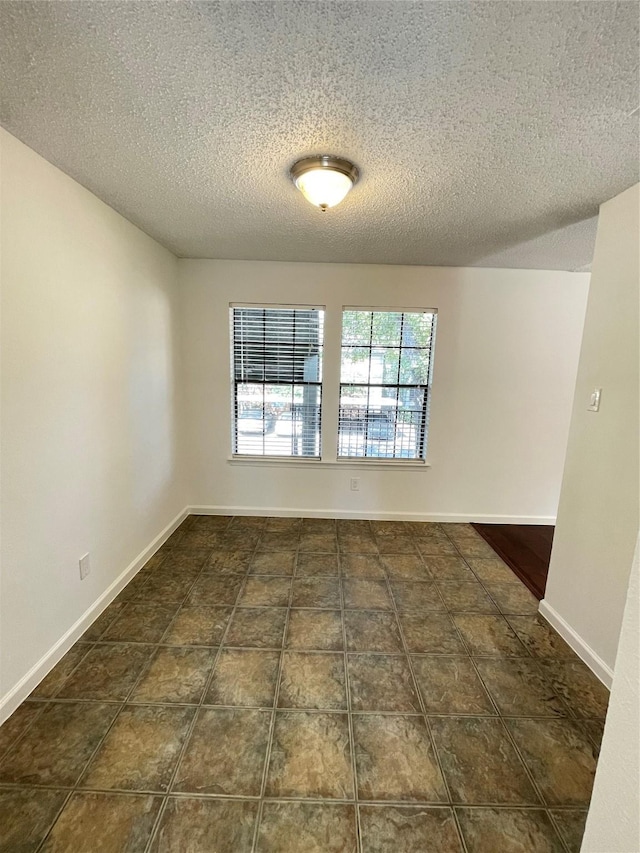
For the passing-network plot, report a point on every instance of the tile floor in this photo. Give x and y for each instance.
(308, 686)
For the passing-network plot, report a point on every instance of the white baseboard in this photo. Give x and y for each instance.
(582, 649)
(288, 512)
(39, 670)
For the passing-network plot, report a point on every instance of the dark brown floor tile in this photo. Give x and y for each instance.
(560, 757)
(435, 547)
(154, 562)
(318, 543)
(25, 818)
(244, 677)
(540, 639)
(198, 626)
(107, 672)
(174, 540)
(182, 562)
(434, 543)
(474, 548)
(265, 591)
(314, 629)
(405, 567)
(284, 525)
(366, 594)
(416, 597)
(307, 828)
(357, 544)
(198, 540)
(317, 565)
(448, 568)
(595, 730)
(372, 631)
(310, 756)
(395, 759)
(215, 590)
(353, 527)
(389, 528)
(397, 544)
(479, 762)
(464, 596)
(316, 592)
(382, 683)
(108, 615)
(50, 685)
(571, 823)
(175, 675)
(459, 530)
(273, 563)
(133, 589)
(519, 688)
(312, 680)
(141, 623)
(228, 562)
(141, 749)
(18, 723)
(280, 541)
(110, 823)
(431, 633)
(247, 522)
(206, 826)
(58, 744)
(493, 570)
(450, 685)
(257, 627)
(362, 566)
(165, 589)
(489, 635)
(408, 829)
(508, 830)
(585, 695)
(318, 525)
(213, 523)
(226, 753)
(240, 540)
(513, 598)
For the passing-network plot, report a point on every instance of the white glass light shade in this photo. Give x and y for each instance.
(324, 181)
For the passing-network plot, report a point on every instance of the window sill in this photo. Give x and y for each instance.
(358, 464)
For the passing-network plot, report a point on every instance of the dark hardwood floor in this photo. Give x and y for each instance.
(526, 548)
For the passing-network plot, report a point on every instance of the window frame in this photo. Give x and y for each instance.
(320, 384)
(425, 413)
(330, 393)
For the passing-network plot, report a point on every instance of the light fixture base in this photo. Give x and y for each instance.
(324, 180)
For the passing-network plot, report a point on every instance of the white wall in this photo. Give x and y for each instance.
(505, 365)
(599, 504)
(89, 415)
(613, 823)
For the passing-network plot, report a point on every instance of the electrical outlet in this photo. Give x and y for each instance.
(85, 566)
(355, 484)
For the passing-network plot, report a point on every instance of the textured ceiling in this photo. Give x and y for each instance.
(487, 133)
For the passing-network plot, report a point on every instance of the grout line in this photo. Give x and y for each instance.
(347, 687)
(272, 722)
(416, 687)
(190, 728)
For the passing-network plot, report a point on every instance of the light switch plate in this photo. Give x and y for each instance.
(594, 401)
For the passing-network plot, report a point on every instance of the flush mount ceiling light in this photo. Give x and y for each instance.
(324, 181)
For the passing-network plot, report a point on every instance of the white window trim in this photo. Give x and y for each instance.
(332, 349)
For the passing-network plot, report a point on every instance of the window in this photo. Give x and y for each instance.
(385, 375)
(277, 376)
